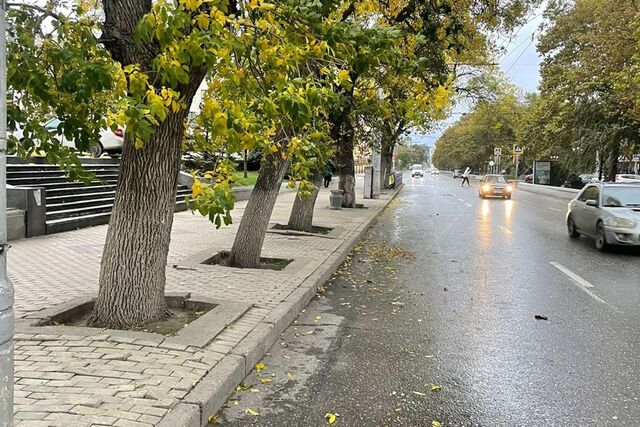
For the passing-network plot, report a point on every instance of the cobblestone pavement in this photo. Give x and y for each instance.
(66, 376)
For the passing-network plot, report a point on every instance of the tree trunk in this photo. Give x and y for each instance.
(301, 217)
(346, 168)
(386, 161)
(132, 274)
(613, 163)
(247, 245)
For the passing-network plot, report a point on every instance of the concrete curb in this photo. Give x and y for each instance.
(557, 192)
(218, 384)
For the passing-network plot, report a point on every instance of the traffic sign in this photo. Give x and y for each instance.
(636, 158)
(497, 151)
(518, 150)
(491, 163)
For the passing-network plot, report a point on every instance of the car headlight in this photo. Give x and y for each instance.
(509, 189)
(486, 187)
(621, 223)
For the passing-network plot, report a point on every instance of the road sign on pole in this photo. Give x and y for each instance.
(497, 151)
(518, 150)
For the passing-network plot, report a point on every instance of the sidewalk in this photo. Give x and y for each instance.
(68, 376)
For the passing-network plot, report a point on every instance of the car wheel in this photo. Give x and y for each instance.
(571, 228)
(601, 238)
(96, 150)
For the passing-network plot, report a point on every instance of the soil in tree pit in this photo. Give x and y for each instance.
(278, 264)
(179, 318)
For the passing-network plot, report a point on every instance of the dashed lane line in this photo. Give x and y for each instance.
(578, 281)
(506, 230)
(554, 209)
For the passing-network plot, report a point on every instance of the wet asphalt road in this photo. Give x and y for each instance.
(444, 292)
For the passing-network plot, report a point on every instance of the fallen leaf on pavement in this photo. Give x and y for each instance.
(436, 423)
(331, 418)
(243, 387)
(290, 376)
(213, 419)
(436, 387)
(254, 390)
(251, 412)
(541, 317)
(260, 366)
(265, 380)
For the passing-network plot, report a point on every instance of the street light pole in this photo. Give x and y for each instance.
(6, 288)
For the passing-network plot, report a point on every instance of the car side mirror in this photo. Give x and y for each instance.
(593, 203)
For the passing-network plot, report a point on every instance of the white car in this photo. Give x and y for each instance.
(416, 170)
(627, 177)
(110, 142)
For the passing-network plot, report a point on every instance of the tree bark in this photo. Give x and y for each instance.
(132, 271)
(386, 161)
(247, 245)
(342, 133)
(346, 169)
(301, 217)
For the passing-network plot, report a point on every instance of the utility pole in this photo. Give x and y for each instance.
(6, 288)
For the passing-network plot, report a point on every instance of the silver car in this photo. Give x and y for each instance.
(607, 212)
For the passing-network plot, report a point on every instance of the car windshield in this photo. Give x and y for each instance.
(618, 197)
(416, 167)
(493, 179)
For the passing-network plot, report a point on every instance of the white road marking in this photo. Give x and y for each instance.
(505, 229)
(468, 205)
(554, 209)
(578, 281)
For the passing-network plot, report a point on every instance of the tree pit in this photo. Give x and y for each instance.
(222, 258)
(181, 313)
(314, 230)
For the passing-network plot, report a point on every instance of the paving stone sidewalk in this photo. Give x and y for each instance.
(67, 376)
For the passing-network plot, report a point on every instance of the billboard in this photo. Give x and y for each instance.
(541, 172)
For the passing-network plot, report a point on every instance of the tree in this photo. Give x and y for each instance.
(587, 80)
(270, 95)
(426, 38)
(410, 154)
(471, 140)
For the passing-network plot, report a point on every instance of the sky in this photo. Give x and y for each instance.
(520, 63)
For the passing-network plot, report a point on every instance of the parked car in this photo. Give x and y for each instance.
(435, 171)
(416, 170)
(457, 173)
(588, 177)
(110, 142)
(607, 212)
(494, 186)
(627, 177)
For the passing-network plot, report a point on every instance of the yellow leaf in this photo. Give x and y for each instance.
(192, 4)
(213, 419)
(343, 76)
(265, 380)
(196, 188)
(436, 423)
(202, 20)
(331, 418)
(251, 412)
(436, 387)
(260, 366)
(290, 376)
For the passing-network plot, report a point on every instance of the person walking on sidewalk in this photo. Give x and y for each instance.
(328, 173)
(465, 177)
